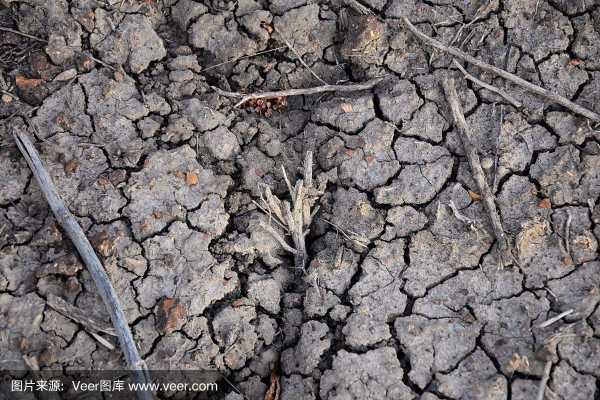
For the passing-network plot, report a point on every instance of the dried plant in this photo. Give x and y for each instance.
(294, 218)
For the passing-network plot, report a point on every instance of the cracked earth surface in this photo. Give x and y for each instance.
(161, 172)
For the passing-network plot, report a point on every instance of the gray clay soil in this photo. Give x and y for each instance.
(401, 298)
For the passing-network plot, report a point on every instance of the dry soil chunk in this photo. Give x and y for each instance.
(233, 331)
(513, 318)
(224, 41)
(185, 11)
(582, 245)
(365, 41)
(134, 42)
(333, 276)
(567, 176)
(570, 384)
(265, 292)
(296, 387)
(348, 114)
(413, 151)
(516, 215)
(201, 115)
(376, 297)
(434, 345)
(416, 184)
(114, 106)
(182, 268)
(579, 290)
(211, 217)
(398, 100)
(170, 182)
(301, 26)
(375, 375)
(561, 76)
(83, 178)
(406, 220)
(483, 285)
(578, 351)
(449, 245)
(570, 128)
(353, 212)
(426, 123)
(21, 319)
(536, 27)
(13, 178)
(64, 111)
(222, 144)
(373, 163)
(587, 38)
(475, 378)
(305, 357)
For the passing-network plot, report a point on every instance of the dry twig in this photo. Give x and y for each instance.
(544, 381)
(349, 235)
(547, 94)
(568, 233)
(68, 222)
(299, 92)
(487, 86)
(476, 170)
(99, 61)
(78, 315)
(5, 29)
(289, 45)
(558, 317)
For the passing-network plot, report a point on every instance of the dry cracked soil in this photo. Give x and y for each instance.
(403, 296)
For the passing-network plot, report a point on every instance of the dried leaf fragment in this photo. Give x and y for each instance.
(347, 107)
(26, 83)
(545, 203)
(170, 315)
(191, 179)
(71, 166)
(274, 389)
(474, 196)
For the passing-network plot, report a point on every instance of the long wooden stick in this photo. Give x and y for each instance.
(553, 97)
(297, 92)
(487, 195)
(68, 222)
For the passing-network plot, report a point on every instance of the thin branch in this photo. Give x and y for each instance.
(462, 218)
(289, 45)
(102, 341)
(99, 61)
(78, 315)
(497, 150)
(544, 381)
(278, 237)
(299, 92)
(242, 58)
(69, 224)
(476, 170)
(489, 87)
(568, 233)
(360, 8)
(351, 236)
(553, 97)
(2, 28)
(558, 317)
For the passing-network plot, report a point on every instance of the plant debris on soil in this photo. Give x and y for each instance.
(387, 280)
